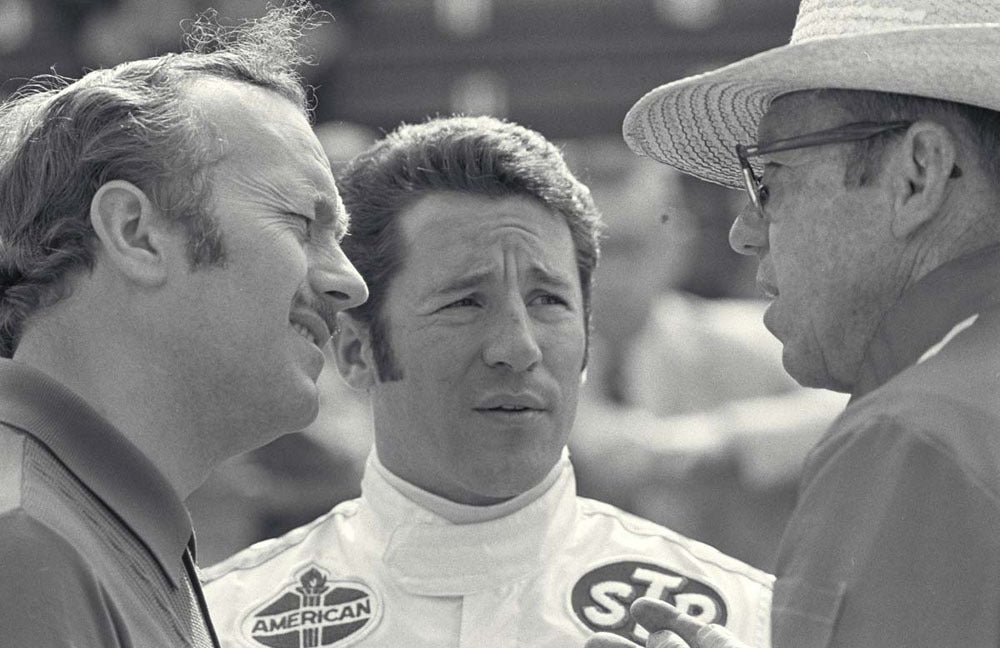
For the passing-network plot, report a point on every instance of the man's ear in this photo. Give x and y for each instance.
(131, 231)
(353, 350)
(921, 169)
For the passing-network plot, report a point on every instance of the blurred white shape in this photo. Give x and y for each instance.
(480, 93)
(689, 14)
(463, 18)
(342, 141)
(694, 354)
(16, 21)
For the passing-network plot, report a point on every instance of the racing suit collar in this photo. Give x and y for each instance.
(428, 554)
(463, 513)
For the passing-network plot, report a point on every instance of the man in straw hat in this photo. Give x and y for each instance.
(868, 148)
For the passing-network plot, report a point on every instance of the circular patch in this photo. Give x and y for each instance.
(601, 597)
(314, 611)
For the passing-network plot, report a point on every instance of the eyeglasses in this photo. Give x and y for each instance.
(847, 133)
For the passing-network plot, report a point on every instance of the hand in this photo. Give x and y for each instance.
(669, 628)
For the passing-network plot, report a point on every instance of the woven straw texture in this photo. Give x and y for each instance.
(947, 49)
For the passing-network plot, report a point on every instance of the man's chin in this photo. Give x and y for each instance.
(808, 371)
(509, 484)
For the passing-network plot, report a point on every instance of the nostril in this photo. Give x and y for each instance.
(336, 294)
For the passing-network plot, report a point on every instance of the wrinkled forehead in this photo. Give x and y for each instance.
(259, 132)
(461, 229)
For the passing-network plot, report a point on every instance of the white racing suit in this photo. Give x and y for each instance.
(551, 570)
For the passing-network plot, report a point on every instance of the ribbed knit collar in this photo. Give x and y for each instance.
(100, 457)
(927, 314)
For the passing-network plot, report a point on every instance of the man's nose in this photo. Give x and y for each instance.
(334, 276)
(748, 235)
(511, 340)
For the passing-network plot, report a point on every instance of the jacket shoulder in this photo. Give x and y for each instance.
(626, 532)
(266, 551)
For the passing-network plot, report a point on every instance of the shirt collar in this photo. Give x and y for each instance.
(100, 457)
(429, 555)
(927, 313)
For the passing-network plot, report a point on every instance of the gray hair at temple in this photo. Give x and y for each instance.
(61, 140)
(482, 156)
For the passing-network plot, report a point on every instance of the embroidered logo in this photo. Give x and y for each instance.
(314, 611)
(601, 597)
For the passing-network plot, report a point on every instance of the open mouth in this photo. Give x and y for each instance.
(310, 326)
(769, 291)
(303, 331)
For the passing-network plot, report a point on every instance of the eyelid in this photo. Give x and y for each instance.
(549, 294)
(455, 302)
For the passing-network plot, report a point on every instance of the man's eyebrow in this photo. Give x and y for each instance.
(332, 214)
(540, 275)
(536, 274)
(465, 282)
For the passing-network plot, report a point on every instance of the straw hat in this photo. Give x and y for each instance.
(947, 49)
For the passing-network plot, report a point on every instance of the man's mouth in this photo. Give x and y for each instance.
(508, 410)
(511, 404)
(770, 291)
(310, 326)
(304, 332)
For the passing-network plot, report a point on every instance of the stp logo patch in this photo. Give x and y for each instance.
(314, 611)
(601, 597)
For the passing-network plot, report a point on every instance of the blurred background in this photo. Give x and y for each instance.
(687, 416)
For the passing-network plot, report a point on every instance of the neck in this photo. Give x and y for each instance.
(131, 390)
(460, 513)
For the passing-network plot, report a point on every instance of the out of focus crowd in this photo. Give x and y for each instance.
(687, 417)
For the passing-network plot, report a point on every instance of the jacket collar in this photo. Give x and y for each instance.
(101, 457)
(945, 300)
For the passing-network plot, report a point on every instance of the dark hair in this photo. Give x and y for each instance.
(982, 125)
(482, 156)
(61, 140)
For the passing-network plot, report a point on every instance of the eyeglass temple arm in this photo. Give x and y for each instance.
(850, 132)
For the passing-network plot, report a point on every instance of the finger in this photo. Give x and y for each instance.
(715, 636)
(608, 640)
(665, 639)
(654, 614)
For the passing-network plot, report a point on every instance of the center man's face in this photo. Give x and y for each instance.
(486, 323)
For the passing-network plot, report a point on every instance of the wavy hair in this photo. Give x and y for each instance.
(60, 140)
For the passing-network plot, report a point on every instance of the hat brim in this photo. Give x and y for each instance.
(694, 124)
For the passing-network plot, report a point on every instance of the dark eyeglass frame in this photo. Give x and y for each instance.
(853, 132)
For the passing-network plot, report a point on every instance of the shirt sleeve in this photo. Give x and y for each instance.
(49, 597)
(894, 542)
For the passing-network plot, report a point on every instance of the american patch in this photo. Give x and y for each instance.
(601, 597)
(313, 611)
